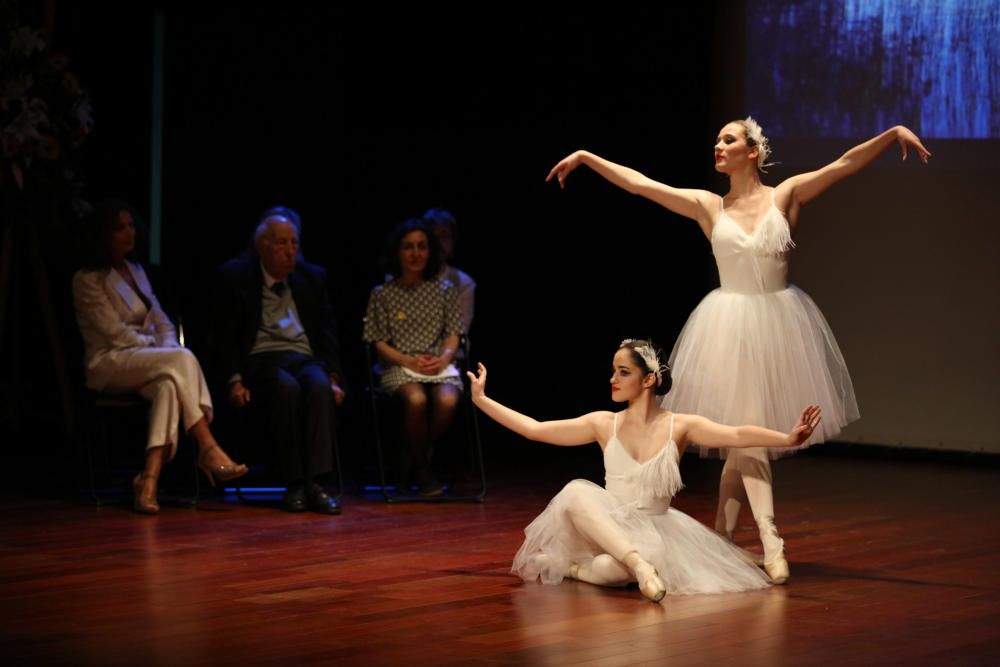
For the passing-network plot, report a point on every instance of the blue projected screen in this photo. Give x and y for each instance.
(851, 68)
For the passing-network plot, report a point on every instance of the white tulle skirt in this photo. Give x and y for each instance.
(689, 557)
(760, 359)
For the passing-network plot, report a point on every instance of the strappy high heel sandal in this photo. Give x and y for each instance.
(222, 472)
(144, 504)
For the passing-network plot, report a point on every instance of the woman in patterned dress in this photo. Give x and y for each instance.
(414, 322)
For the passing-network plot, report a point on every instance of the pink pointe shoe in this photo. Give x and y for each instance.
(650, 584)
(777, 569)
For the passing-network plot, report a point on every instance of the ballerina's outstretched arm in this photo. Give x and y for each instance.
(691, 203)
(582, 430)
(802, 188)
(707, 433)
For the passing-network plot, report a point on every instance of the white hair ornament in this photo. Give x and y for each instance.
(756, 135)
(649, 357)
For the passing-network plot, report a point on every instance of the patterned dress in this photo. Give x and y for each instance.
(413, 319)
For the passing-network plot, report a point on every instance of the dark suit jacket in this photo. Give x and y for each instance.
(236, 315)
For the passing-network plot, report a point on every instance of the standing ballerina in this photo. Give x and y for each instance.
(627, 531)
(757, 348)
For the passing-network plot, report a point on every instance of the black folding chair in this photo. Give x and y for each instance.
(104, 412)
(388, 438)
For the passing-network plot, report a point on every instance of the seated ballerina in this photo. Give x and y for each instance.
(627, 532)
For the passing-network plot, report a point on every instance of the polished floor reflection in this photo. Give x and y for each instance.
(893, 562)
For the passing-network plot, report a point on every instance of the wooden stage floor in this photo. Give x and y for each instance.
(893, 563)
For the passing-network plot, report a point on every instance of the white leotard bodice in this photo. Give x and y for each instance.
(650, 485)
(752, 263)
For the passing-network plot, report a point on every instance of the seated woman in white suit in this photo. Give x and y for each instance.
(131, 345)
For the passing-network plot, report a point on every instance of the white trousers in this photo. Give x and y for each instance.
(171, 379)
(747, 477)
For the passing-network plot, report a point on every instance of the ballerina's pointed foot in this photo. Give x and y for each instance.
(650, 584)
(652, 587)
(747, 555)
(777, 569)
(540, 563)
(214, 470)
(752, 556)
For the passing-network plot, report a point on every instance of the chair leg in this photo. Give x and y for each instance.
(89, 437)
(379, 456)
(105, 454)
(471, 444)
(472, 417)
(197, 478)
(336, 462)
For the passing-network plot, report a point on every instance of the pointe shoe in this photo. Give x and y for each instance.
(222, 472)
(650, 584)
(774, 553)
(652, 587)
(142, 503)
(540, 563)
(750, 556)
(777, 569)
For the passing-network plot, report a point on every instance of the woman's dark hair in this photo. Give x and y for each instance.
(390, 255)
(96, 231)
(442, 217)
(665, 380)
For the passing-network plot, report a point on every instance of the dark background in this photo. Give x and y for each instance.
(359, 118)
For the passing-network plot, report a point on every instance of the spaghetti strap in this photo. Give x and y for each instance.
(614, 432)
(671, 436)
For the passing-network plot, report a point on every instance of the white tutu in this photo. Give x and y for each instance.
(758, 350)
(633, 514)
(760, 359)
(689, 557)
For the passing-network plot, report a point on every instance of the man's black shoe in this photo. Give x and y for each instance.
(295, 498)
(320, 501)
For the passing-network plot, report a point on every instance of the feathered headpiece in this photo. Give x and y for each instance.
(649, 357)
(756, 135)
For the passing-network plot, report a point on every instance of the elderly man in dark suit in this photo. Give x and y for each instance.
(274, 341)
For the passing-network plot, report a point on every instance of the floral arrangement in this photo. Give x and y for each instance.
(44, 117)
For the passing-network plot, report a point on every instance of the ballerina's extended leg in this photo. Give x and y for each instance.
(755, 471)
(592, 521)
